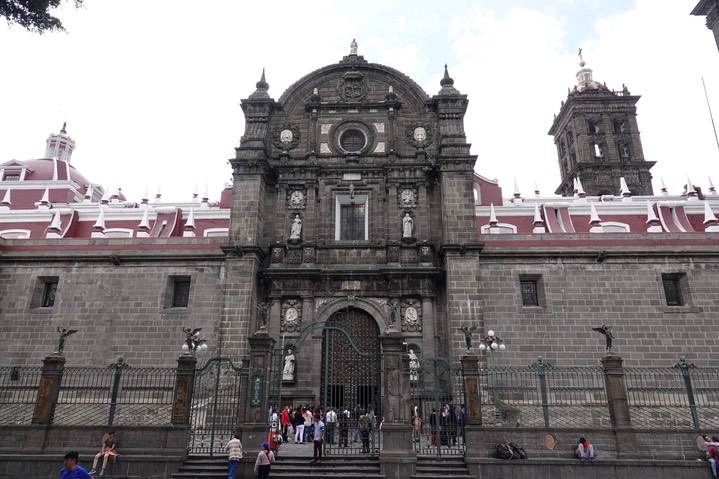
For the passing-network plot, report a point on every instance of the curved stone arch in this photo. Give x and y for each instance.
(297, 94)
(331, 307)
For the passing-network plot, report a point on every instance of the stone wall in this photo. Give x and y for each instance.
(577, 292)
(119, 310)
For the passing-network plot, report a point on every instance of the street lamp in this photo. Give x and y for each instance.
(491, 343)
(193, 344)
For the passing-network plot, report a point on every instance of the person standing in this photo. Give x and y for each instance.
(331, 420)
(344, 424)
(365, 423)
(318, 434)
(285, 418)
(356, 413)
(299, 425)
(234, 451)
(71, 469)
(264, 461)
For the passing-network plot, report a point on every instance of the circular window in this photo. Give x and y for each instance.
(352, 140)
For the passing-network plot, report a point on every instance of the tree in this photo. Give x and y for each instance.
(34, 15)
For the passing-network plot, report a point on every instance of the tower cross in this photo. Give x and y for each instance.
(580, 55)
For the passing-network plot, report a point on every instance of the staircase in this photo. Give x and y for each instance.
(445, 468)
(204, 467)
(330, 468)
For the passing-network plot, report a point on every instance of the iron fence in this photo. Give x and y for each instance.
(680, 396)
(18, 393)
(542, 395)
(117, 394)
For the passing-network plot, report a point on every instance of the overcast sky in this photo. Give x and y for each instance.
(151, 89)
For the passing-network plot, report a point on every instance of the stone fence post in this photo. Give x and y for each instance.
(616, 390)
(472, 399)
(184, 385)
(397, 457)
(49, 391)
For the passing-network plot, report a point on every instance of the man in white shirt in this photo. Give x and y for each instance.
(331, 422)
(318, 434)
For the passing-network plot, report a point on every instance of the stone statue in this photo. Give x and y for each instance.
(413, 366)
(468, 335)
(353, 47)
(64, 333)
(420, 134)
(296, 229)
(393, 311)
(607, 332)
(288, 371)
(407, 226)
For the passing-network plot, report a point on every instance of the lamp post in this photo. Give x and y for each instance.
(491, 343)
(193, 344)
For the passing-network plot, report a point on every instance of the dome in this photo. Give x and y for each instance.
(43, 170)
(590, 86)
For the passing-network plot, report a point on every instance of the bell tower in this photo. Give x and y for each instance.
(597, 139)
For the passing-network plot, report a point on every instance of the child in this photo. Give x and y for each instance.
(584, 450)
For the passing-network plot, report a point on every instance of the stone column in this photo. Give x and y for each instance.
(184, 385)
(616, 390)
(50, 380)
(473, 436)
(619, 405)
(397, 456)
(254, 430)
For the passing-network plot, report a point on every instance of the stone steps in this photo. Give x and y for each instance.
(449, 468)
(287, 468)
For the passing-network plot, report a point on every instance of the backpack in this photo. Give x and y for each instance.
(510, 450)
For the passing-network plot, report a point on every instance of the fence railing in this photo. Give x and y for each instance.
(680, 396)
(542, 395)
(18, 393)
(118, 394)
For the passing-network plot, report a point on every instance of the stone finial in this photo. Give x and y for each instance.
(538, 221)
(711, 224)
(664, 187)
(145, 196)
(6, 199)
(190, 225)
(712, 190)
(492, 215)
(594, 220)
(691, 192)
(98, 229)
(580, 189)
(624, 190)
(653, 223)
(536, 189)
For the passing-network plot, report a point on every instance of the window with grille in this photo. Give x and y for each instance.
(531, 289)
(177, 293)
(352, 141)
(45, 292)
(673, 290)
(352, 222)
(529, 293)
(48, 294)
(351, 218)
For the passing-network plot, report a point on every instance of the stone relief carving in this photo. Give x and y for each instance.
(296, 198)
(352, 87)
(411, 315)
(419, 134)
(291, 316)
(407, 197)
(286, 136)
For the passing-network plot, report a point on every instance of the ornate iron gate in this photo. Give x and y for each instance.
(438, 408)
(215, 406)
(351, 383)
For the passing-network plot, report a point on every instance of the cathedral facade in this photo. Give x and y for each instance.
(355, 207)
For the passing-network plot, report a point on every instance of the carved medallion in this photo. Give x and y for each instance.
(411, 315)
(291, 315)
(352, 87)
(407, 198)
(296, 199)
(419, 134)
(286, 136)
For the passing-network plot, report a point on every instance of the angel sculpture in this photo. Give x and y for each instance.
(64, 332)
(468, 335)
(192, 336)
(607, 332)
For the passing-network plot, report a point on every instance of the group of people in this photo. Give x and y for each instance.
(341, 425)
(448, 424)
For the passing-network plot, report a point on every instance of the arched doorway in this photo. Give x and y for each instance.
(351, 381)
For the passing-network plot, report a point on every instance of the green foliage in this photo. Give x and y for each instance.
(507, 412)
(34, 15)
